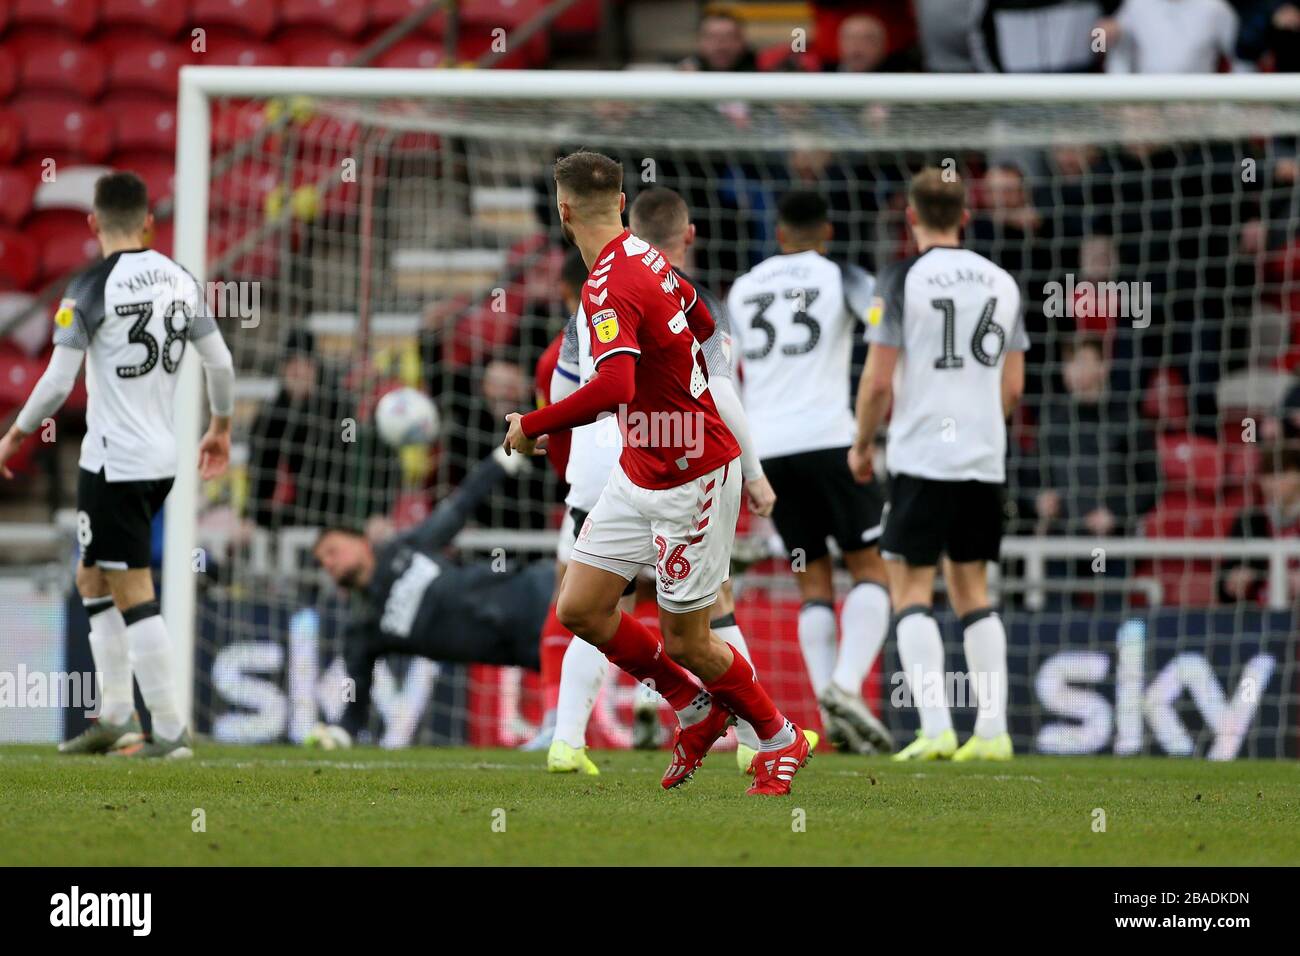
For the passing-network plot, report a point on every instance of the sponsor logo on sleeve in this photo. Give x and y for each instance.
(605, 322)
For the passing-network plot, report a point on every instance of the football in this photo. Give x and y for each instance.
(406, 416)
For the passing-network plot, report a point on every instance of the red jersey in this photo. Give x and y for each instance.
(557, 451)
(635, 303)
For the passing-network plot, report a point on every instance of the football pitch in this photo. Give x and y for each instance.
(283, 805)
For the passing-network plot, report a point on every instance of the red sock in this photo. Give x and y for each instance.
(636, 650)
(744, 696)
(555, 641)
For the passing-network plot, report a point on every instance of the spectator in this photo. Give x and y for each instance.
(1277, 517)
(1172, 36)
(1092, 479)
(301, 473)
(720, 47)
(896, 18)
(1271, 28)
(864, 46)
(1038, 36)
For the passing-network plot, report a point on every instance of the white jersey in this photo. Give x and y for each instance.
(954, 316)
(132, 314)
(595, 449)
(793, 318)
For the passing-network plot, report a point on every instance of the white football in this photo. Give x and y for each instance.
(406, 416)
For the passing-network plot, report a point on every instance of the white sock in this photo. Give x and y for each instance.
(920, 650)
(783, 738)
(817, 639)
(985, 641)
(696, 710)
(731, 633)
(151, 660)
(108, 646)
(582, 672)
(864, 622)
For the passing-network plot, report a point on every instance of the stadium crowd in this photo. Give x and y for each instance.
(1172, 421)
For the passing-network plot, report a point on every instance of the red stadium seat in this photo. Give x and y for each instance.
(261, 261)
(47, 224)
(230, 48)
(507, 14)
(163, 237)
(258, 19)
(318, 49)
(345, 17)
(234, 121)
(1177, 516)
(54, 126)
(67, 253)
(57, 65)
(19, 261)
(585, 16)
(141, 64)
(779, 57)
(5, 15)
(412, 53)
(157, 170)
(245, 187)
(163, 17)
(11, 136)
(74, 16)
(8, 74)
(478, 41)
(16, 190)
(385, 13)
(1190, 463)
(141, 121)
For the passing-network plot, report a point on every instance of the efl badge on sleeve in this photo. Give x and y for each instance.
(605, 322)
(875, 312)
(63, 317)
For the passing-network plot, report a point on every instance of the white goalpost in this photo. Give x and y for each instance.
(450, 152)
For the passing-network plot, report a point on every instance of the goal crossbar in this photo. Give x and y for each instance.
(200, 85)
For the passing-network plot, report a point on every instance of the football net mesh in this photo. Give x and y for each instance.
(415, 242)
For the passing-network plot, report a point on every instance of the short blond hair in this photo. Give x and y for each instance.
(939, 198)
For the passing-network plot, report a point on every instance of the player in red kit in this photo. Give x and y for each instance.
(673, 500)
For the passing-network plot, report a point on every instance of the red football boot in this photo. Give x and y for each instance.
(774, 769)
(691, 744)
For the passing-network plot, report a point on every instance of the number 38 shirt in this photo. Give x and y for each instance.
(636, 304)
(954, 316)
(132, 314)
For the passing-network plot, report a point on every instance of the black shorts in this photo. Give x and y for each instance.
(817, 498)
(579, 519)
(115, 519)
(926, 518)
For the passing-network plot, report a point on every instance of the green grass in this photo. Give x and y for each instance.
(281, 805)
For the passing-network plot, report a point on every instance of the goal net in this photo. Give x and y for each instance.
(364, 229)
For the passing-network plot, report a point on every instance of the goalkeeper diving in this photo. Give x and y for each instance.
(409, 597)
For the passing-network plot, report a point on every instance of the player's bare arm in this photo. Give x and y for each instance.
(613, 385)
(875, 392)
(219, 375)
(1013, 382)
